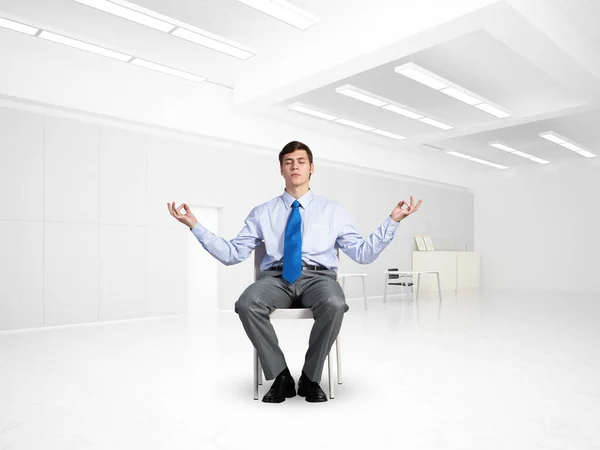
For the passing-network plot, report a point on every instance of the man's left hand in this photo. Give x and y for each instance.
(403, 209)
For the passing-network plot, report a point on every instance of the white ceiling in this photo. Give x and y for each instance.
(537, 59)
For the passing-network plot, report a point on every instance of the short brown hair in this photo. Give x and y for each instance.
(291, 147)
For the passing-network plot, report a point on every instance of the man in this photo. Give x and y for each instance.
(302, 233)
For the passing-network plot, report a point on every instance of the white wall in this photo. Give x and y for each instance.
(86, 236)
(537, 229)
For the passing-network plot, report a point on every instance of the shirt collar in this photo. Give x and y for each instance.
(304, 200)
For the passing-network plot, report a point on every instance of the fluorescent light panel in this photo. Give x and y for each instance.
(81, 45)
(168, 70)
(515, 152)
(214, 43)
(351, 123)
(16, 26)
(435, 123)
(283, 11)
(152, 19)
(388, 134)
(299, 107)
(59, 39)
(372, 99)
(492, 110)
(402, 111)
(423, 76)
(555, 138)
(477, 160)
(128, 11)
(313, 112)
(350, 91)
(462, 96)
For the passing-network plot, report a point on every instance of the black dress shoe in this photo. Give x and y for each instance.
(283, 387)
(311, 390)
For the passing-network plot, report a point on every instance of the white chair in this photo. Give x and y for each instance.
(395, 278)
(342, 278)
(293, 313)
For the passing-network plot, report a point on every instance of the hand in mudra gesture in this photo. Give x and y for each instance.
(182, 213)
(403, 209)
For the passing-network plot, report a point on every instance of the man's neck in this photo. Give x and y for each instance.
(297, 191)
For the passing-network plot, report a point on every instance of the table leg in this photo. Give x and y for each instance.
(364, 292)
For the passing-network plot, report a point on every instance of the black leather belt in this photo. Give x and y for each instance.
(304, 267)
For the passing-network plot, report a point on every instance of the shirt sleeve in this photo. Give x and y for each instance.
(237, 249)
(364, 251)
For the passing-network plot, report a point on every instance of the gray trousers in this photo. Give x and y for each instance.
(317, 290)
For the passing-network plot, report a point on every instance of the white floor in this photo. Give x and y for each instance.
(486, 371)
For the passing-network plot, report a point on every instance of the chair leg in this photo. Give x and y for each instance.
(256, 368)
(260, 372)
(338, 355)
(400, 279)
(364, 293)
(329, 370)
(385, 288)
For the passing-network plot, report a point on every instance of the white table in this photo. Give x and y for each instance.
(342, 280)
(416, 285)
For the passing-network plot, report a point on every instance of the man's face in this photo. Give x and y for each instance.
(296, 168)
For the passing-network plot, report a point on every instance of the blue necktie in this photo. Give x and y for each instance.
(292, 246)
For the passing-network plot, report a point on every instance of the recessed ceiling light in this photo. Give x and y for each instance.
(130, 12)
(84, 46)
(435, 123)
(477, 160)
(552, 137)
(417, 73)
(501, 146)
(434, 81)
(515, 152)
(351, 91)
(388, 134)
(168, 70)
(160, 22)
(388, 105)
(351, 123)
(299, 107)
(402, 111)
(283, 11)
(16, 26)
(215, 43)
(557, 139)
(313, 112)
(462, 96)
(587, 154)
(492, 110)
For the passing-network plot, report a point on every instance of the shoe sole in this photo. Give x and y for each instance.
(301, 393)
(288, 394)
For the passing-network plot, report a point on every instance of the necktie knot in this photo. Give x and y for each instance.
(296, 204)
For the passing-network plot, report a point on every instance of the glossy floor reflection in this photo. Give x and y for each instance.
(484, 371)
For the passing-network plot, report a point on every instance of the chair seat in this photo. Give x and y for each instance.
(292, 313)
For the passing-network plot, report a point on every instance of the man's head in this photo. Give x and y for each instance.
(296, 163)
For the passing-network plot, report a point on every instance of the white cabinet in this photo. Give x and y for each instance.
(458, 270)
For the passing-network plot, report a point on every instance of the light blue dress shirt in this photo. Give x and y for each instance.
(325, 228)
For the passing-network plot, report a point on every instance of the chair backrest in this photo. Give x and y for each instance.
(392, 276)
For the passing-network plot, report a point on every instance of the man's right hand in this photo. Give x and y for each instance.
(183, 214)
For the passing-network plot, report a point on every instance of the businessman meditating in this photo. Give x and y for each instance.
(302, 232)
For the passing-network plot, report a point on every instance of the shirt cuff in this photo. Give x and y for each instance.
(198, 230)
(390, 226)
